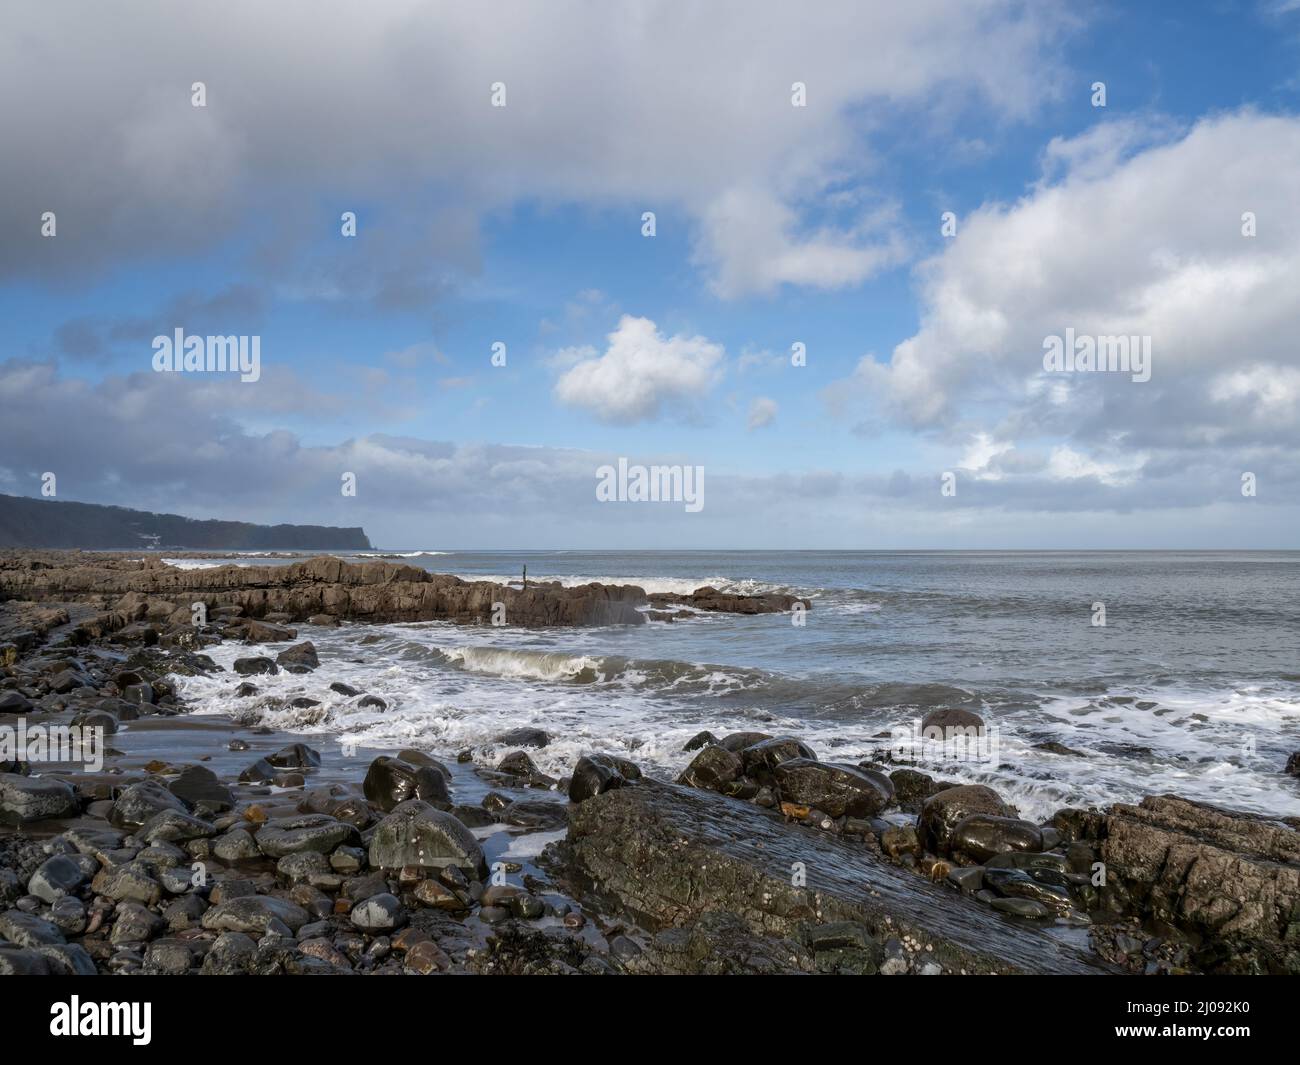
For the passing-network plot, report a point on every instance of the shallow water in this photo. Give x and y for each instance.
(1192, 686)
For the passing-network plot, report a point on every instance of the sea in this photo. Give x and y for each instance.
(1102, 676)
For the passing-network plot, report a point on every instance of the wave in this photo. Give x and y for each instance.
(652, 585)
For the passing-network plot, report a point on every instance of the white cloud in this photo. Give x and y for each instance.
(642, 105)
(640, 373)
(762, 412)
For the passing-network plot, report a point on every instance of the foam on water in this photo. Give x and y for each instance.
(449, 688)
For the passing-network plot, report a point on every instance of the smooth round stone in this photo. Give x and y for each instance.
(379, 913)
(1021, 907)
(57, 877)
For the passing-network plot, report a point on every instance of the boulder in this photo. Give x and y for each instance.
(949, 722)
(253, 913)
(306, 832)
(249, 667)
(834, 788)
(392, 781)
(295, 756)
(980, 837)
(301, 656)
(759, 759)
(416, 834)
(24, 799)
(597, 773)
(711, 769)
(941, 812)
(523, 737)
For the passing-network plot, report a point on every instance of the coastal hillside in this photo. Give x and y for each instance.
(48, 523)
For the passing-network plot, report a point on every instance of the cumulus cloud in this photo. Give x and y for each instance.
(640, 374)
(1131, 232)
(641, 105)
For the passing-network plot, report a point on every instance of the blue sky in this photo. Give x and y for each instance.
(774, 225)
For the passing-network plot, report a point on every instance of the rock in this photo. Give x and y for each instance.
(671, 854)
(379, 913)
(941, 812)
(517, 764)
(392, 781)
(597, 773)
(249, 667)
(24, 930)
(758, 760)
(416, 834)
(15, 961)
(712, 768)
(1230, 879)
(15, 703)
(260, 772)
(131, 881)
(236, 845)
(372, 700)
(736, 742)
(523, 737)
(246, 690)
(307, 832)
(299, 656)
(1042, 885)
(198, 785)
(57, 876)
(981, 836)
(168, 957)
(1293, 765)
(133, 923)
(25, 799)
(699, 741)
(69, 914)
(295, 756)
(232, 953)
(69, 680)
(141, 801)
(262, 632)
(426, 957)
(1022, 907)
(836, 789)
(253, 913)
(951, 723)
(344, 689)
(912, 787)
(68, 959)
(172, 826)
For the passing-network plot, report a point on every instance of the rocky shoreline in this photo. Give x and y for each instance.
(206, 844)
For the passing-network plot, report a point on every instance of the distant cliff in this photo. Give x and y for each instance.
(28, 522)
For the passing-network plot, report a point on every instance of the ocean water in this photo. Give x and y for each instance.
(1191, 687)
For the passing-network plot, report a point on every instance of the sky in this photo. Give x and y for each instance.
(868, 219)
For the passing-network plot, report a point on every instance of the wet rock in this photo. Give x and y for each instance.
(262, 632)
(699, 741)
(417, 834)
(24, 930)
(69, 914)
(172, 826)
(260, 772)
(1035, 884)
(392, 781)
(24, 799)
(379, 913)
(246, 690)
(133, 923)
(301, 656)
(168, 957)
(232, 953)
(15, 961)
(259, 664)
(236, 845)
(198, 786)
(759, 760)
(57, 877)
(307, 832)
(1022, 907)
(344, 689)
(517, 764)
(713, 768)
(295, 756)
(941, 812)
(141, 801)
(736, 742)
(15, 703)
(523, 737)
(951, 722)
(835, 789)
(598, 773)
(1293, 765)
(254, 913)
(68, 959)
(132, 881)
(372, 701)
(981, 836)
